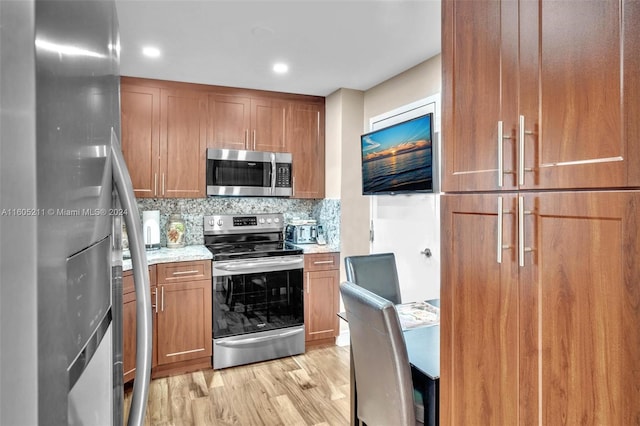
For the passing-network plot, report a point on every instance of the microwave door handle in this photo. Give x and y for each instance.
(273, 174)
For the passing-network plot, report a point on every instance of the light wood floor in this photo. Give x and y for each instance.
(308, 389)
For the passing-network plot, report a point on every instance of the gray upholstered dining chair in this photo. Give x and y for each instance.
(384, 387)
(375, 272)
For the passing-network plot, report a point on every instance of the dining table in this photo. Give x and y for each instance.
(422, 340)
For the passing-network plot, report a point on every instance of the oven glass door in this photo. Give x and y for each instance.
(240, 173)
(252, 295)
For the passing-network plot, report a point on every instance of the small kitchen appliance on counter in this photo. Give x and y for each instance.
(151, 229)
(304, 232)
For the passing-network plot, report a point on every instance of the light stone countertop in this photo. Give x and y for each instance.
(317, 248)
(167, 255)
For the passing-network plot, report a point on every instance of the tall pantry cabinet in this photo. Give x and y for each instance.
(541, 217)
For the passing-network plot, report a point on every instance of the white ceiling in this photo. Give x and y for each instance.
(328, 44)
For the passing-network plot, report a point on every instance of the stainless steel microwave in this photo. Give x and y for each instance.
(240, 173)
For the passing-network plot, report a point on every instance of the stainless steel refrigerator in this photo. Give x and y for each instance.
(64, 192)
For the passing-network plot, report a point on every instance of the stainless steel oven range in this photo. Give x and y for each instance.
(258, 300)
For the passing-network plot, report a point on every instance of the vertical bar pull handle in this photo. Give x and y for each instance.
(500, 245)
(500, 213)
(521, 151)
(500, 158)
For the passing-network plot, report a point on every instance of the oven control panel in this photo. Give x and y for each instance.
(227, 224)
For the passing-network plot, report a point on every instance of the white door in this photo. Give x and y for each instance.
(409, 225)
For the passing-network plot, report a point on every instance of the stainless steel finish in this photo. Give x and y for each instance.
(122, 181)
(59, 104)
(185, 272)
(521, 151)
(265, 264)
(88, 311)
(224, 224)
(237, 350)
(521, 231)
(500, 157)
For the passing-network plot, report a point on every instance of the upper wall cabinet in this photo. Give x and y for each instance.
(164, 140)
(305, 140)
(540, 96)
(238, 122)
(140, 112)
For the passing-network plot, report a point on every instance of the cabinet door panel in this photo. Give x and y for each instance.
(183, 144)
(184, 322)
(480, 90)
(229, 122)
(268, 125)
(321, 296)
(305, 140)
(478, 312)
(573, 95)
(579, 311)
(140, 113)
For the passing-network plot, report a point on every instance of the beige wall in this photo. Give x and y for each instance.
(416, 83)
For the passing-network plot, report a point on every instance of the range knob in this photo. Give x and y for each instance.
(219, 222)
(261, 220)
(211, 222)
(276, 220)
(268, 220)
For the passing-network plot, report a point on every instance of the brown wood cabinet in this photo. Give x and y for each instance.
(167, 126)
(164, 139)
(184, 311)
(305, 139)
(140, 122)
(129, 323)
(553, 341)
(543, 96)
(239, 122)
(181, 303)
(321, 296)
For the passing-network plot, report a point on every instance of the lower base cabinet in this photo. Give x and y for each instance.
(181, 299)
(540, 308)
(321, 297)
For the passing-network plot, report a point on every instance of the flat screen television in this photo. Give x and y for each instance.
(399, 159)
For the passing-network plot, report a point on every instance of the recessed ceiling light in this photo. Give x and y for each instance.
(280, 68)
(151, 52)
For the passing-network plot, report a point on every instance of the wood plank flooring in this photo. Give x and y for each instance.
(307, 389)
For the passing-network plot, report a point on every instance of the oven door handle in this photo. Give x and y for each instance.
(263, 265)
(252, 340)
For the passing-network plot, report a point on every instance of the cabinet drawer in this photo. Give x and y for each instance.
(127, 280)
(321, 261)
(183, 271)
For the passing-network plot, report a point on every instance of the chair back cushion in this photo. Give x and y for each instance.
(375, 272)
(382, 370)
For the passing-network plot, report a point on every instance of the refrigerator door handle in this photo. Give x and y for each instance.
(123, 184)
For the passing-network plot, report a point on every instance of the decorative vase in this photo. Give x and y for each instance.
(175, 231)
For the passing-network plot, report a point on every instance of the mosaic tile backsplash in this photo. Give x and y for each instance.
(193, 210)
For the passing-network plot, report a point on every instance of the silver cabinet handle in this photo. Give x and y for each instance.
(322, 262)
(186, 272)
(501, 246)
(522, 132)
(144, 342)
(522, 249)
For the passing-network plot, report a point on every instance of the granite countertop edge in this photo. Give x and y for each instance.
(200, 252)
(168, 255)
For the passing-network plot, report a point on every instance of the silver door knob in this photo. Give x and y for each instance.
(426, 252)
